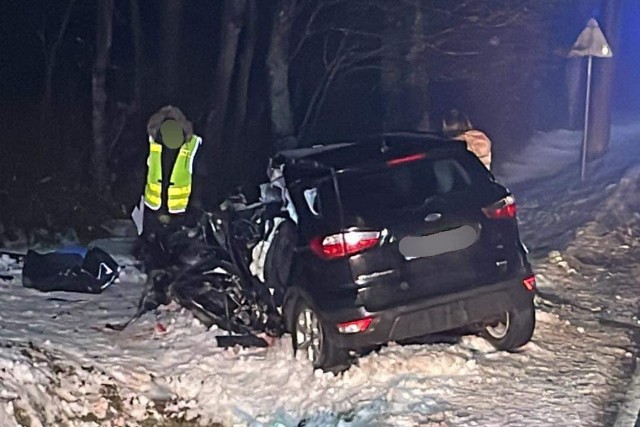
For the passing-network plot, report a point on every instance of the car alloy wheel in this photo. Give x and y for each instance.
(309, 335)
(499, 330)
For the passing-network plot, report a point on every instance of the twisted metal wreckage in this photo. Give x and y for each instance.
(228, 270)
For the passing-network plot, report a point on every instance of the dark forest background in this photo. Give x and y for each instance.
(79, 78)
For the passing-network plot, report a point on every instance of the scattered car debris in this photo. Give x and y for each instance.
(212, 279)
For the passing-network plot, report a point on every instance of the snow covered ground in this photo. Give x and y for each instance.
(60, 366)
(549, 153)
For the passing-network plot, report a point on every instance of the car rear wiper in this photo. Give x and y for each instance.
(422, 206)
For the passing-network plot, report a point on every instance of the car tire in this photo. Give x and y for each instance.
(312, 342)
(514, 331)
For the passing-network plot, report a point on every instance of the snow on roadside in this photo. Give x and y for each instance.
(548, 153)
(69, 370)
(9, 266)
(600, 258)
(62, 365)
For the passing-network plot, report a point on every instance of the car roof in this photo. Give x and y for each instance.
(310, 152)
(368, 149)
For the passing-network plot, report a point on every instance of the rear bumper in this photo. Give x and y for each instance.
(431, 315)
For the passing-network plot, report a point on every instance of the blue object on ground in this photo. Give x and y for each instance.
(73, 249)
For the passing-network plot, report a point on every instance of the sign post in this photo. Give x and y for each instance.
(591, 42)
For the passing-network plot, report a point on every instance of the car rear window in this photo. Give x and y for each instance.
(408, 185)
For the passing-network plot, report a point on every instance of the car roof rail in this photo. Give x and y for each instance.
(403, 132)
(297, 153)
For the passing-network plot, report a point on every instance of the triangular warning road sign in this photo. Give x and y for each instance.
(591, 42)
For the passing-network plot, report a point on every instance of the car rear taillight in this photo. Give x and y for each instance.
(529, 283)
(355, 326)
(504, 209)
(344, 244)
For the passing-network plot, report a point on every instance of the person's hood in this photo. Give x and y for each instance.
(166, 113)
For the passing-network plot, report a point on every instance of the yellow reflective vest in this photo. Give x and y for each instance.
(179, 189)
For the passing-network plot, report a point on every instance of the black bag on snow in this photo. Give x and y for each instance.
(69, 272)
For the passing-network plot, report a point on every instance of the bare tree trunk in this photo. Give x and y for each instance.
(245, 62)
(51, 54)
(170, 44)
(99, 92)
(238, 149)
(600, 119)
(395, 68)
(50, 57)
(418, 79)
(136, 34)
(278, 69)
(231, 26)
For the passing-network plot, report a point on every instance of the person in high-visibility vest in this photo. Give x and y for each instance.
(169, 197)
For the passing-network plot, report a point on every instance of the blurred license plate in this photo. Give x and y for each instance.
(412, 247)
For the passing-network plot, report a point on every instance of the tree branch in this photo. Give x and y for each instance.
(63, 28)
(308, 32)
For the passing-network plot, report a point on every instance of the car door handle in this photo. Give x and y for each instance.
(433, 217)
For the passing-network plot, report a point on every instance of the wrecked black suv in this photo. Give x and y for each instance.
(395, 237)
